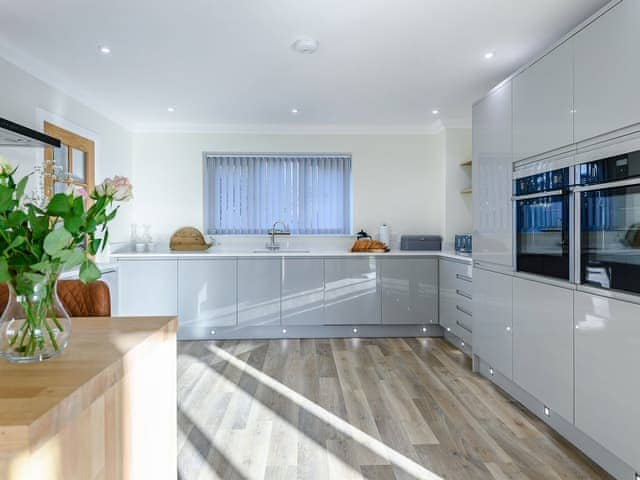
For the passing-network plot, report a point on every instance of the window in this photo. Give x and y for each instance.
(246, 194)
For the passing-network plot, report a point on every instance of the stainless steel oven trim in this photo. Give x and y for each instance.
(551, 193)
(629, 182)
(577, 237)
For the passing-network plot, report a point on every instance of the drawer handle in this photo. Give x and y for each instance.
(463, 326)
(464, 294)
(466, 278)
(460, 309)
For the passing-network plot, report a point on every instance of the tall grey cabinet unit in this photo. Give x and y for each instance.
(352, 293)
(543, 104)
(409, 290)
(302, 300)
(607, 385)
(258, 291)
(207, 292)
(607, 72)
(543, 343)
(493, 315)
(492, 172)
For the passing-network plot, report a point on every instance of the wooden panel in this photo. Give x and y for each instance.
(87, 414)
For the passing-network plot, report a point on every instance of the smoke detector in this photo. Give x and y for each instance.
(305, 45)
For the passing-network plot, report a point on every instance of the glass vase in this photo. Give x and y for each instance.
(34, 326)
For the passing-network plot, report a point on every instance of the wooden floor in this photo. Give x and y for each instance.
(355, 408)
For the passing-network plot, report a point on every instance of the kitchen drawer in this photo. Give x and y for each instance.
(456, 317)
(455, 276)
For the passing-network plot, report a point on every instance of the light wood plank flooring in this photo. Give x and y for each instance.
(355, 408)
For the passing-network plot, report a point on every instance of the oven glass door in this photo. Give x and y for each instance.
(610, 238)
(542, 236)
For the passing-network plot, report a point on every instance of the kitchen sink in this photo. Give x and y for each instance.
(281, 250)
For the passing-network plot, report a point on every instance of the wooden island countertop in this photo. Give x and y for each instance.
(105, 408)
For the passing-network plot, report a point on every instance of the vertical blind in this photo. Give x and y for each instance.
(246, 194)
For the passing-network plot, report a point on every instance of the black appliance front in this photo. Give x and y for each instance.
(542, 236)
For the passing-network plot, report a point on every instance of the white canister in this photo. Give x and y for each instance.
(384, 234)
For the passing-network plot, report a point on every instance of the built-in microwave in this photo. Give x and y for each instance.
(608, 214)
(543, 226)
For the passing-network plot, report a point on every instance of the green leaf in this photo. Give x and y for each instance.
(39, 224)
(16, 218)
(78, 206)
(57, 240)
(22, 184)
(4, 271)
(59, 205)
(6, 198)
(74, 259)
(89, 272)
(16, 242)
(73, 224)
(94, 245)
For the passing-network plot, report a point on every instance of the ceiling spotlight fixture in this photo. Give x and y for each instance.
(295, 111)
(489, 55)
(305, 45)
(171, 109)
(435, 111)
(104, 49)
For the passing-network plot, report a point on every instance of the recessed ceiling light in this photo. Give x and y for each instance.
(435, 111)
(171, 109)
(305, 45)
(295, 111)
(489, 55)
(104, 49)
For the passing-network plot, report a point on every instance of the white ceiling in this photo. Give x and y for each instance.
(381, 63)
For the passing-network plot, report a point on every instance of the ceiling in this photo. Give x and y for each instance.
(381, 64)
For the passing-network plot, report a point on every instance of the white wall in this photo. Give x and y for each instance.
(397, 179)
(457, 206)
(25, 99)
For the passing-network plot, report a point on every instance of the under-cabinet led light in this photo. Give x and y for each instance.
(489, 55)
(284, 330)
(104, 49)
(491, 371)
(462, 344)
(448, 329)
(355, 330)
(213, 332)
(547, 412)
(424, 329)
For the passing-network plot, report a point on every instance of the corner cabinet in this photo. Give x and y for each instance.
(607, 386)
(607, 72)
(409, 290)
(543, 343)
(543, 104)
(493, 320)
(492, 174)
(147, 287)
(352, 291)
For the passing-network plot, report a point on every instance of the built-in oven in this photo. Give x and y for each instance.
(543, 224)
(608, 222)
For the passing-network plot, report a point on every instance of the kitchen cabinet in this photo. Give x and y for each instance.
(543, 104)
(352, 292)
(258, 291)
(607, 72)
(409, 290)
(147, 287)
(455, 298)
(207, 291)
(492, 173)
(302, 300)
(543, 343)
(607, 389)
(493, 319)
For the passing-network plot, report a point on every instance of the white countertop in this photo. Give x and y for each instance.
(214, 252)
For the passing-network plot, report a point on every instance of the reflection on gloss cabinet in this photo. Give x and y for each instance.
(258, 291)
(409, 290)
(492, 173)
(302, 300)
(352, 293)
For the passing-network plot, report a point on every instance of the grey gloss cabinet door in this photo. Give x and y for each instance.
(409, 291)
(258, 292)
(543, 104)
(607, 385)
(607, 72)
(147, 287)
(207, 293)
(493, 319)
(543, 343)
(302, 300)
(352, 293)
(492, 171)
